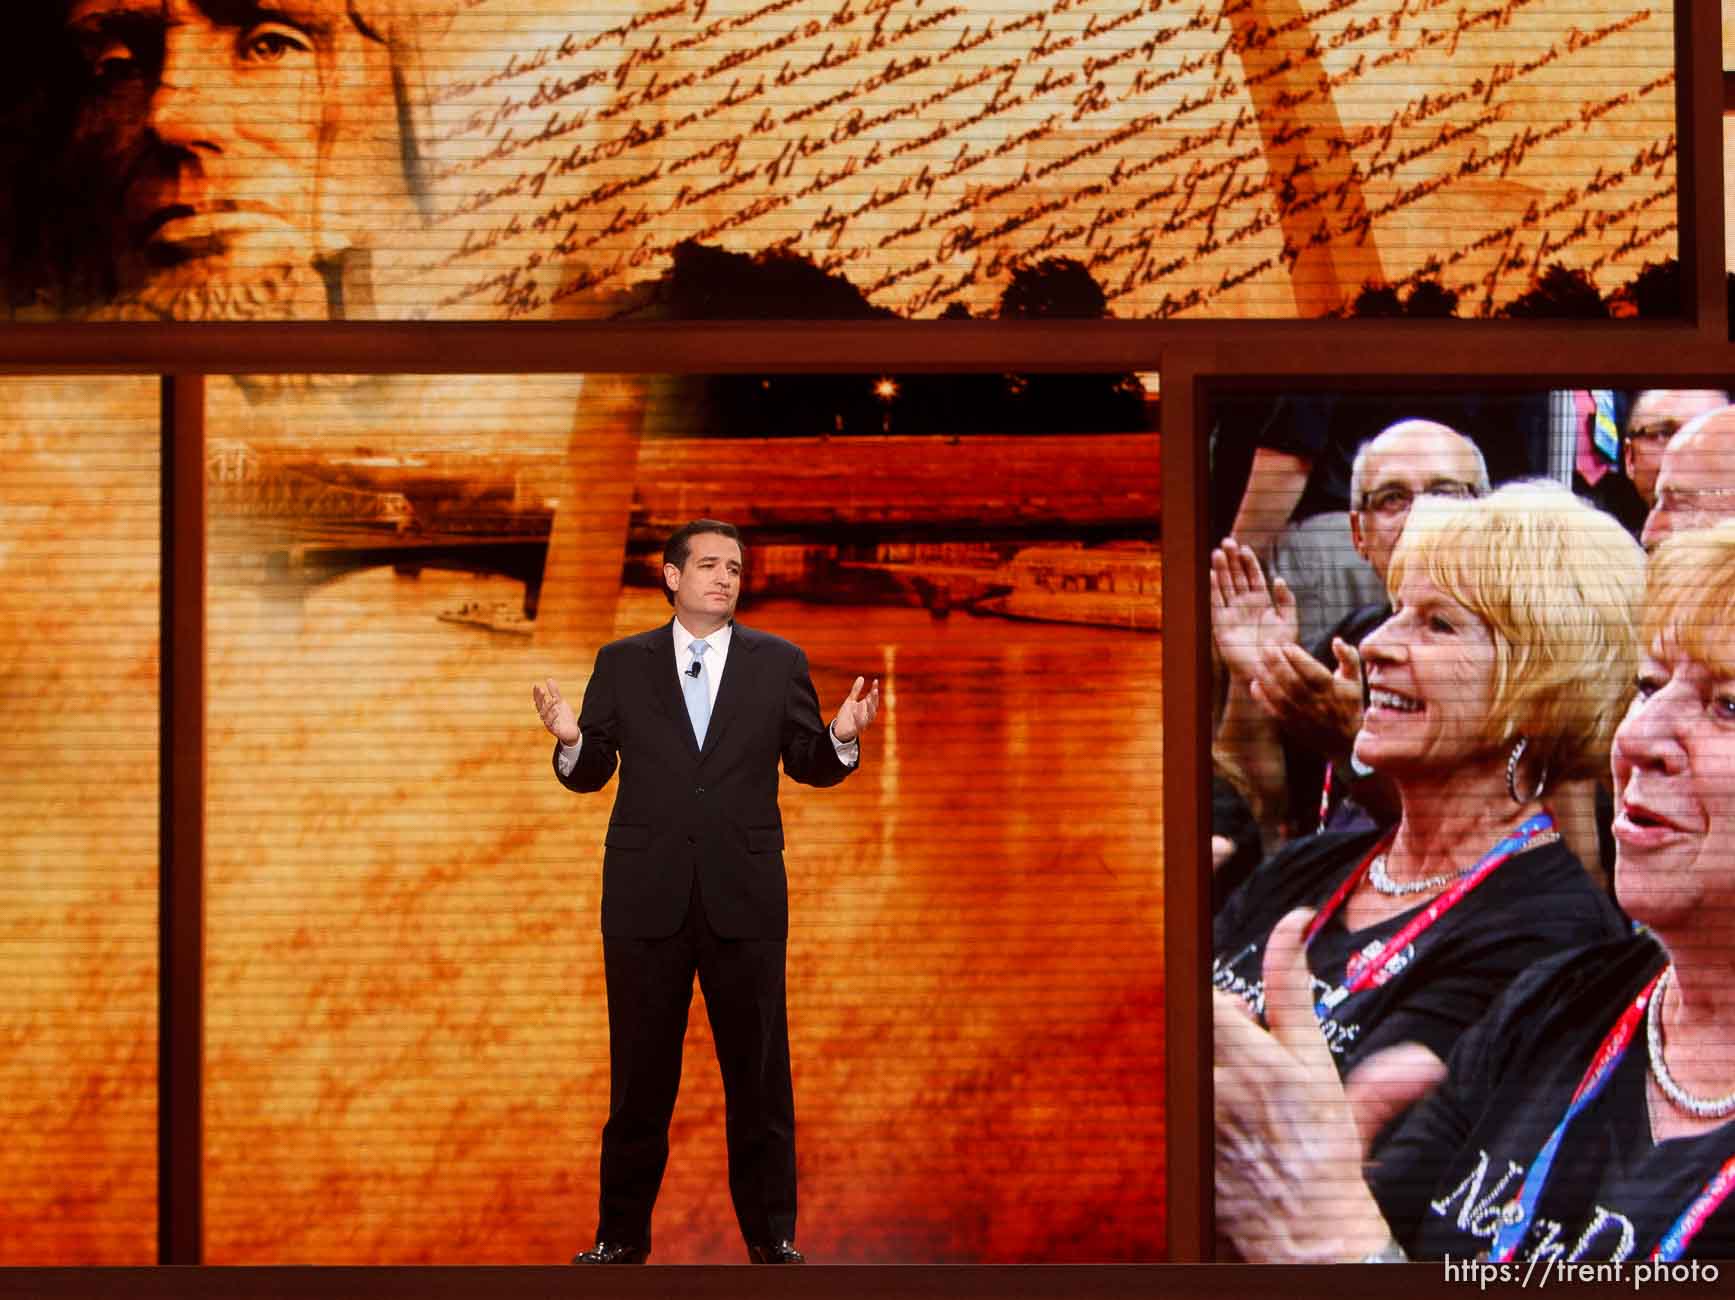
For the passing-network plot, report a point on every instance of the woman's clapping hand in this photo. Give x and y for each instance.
(1288, 1165)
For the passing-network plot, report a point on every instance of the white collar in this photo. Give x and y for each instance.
(718, 641)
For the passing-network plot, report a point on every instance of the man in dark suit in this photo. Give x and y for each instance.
(697, 714)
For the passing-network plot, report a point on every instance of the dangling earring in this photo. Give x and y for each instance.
(1512, 775)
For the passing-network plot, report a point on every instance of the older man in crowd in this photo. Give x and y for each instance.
(1654, 417)
(1290, 719)
(1695, 483)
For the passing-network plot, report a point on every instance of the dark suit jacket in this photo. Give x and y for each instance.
(678, 810)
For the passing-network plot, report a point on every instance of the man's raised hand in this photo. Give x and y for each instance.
(555, 712)
(857, 712)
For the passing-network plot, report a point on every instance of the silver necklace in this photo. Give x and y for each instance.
(1697, 1107)
(1384, 884)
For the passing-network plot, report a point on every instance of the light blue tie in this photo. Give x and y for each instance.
(697, 689)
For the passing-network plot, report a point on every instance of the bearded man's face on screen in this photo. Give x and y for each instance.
(211, 146)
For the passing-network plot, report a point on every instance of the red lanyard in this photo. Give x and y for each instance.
(1360, 972)
(1516, 1222)
(1716, 1191)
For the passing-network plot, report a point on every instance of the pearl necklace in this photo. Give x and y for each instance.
(1383, 883)
(1697, 1107)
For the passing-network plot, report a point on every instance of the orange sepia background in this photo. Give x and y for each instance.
(406, 1040)
(546, 159)
(79, 563)
(406, 1059)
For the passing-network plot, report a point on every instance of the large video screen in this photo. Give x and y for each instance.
(408, 1040)
(546, 159)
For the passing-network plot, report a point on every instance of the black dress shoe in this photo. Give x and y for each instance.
(606, 1252)
(782, 1252)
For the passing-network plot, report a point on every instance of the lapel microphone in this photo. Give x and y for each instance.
(695, 668)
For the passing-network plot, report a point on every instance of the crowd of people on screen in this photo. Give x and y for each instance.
(1474, 827)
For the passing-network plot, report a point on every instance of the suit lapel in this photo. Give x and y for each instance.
(665, 691)
(739, 671)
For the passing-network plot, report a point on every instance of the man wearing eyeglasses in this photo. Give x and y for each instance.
(1410, 459)
(1289, 715)
(1695, 483)
(1281, 468)
(1658, 414)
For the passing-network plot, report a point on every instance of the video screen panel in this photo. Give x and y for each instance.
(547, 159)
(1444, 727)
(408, 1040)
(79, 577)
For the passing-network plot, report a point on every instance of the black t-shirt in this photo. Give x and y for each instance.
(1535, 905)
(1462, 1154)
(1233, 820)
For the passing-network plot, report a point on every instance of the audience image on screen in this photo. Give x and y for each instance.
(1589, 1115)
(1500, 675)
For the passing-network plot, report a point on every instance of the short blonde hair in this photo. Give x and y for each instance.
(1690, 599)
(1559, 583)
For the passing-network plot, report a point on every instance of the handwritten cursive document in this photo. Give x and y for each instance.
(1218, 158)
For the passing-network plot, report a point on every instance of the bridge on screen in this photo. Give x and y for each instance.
(934, 519)
(311, 521)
